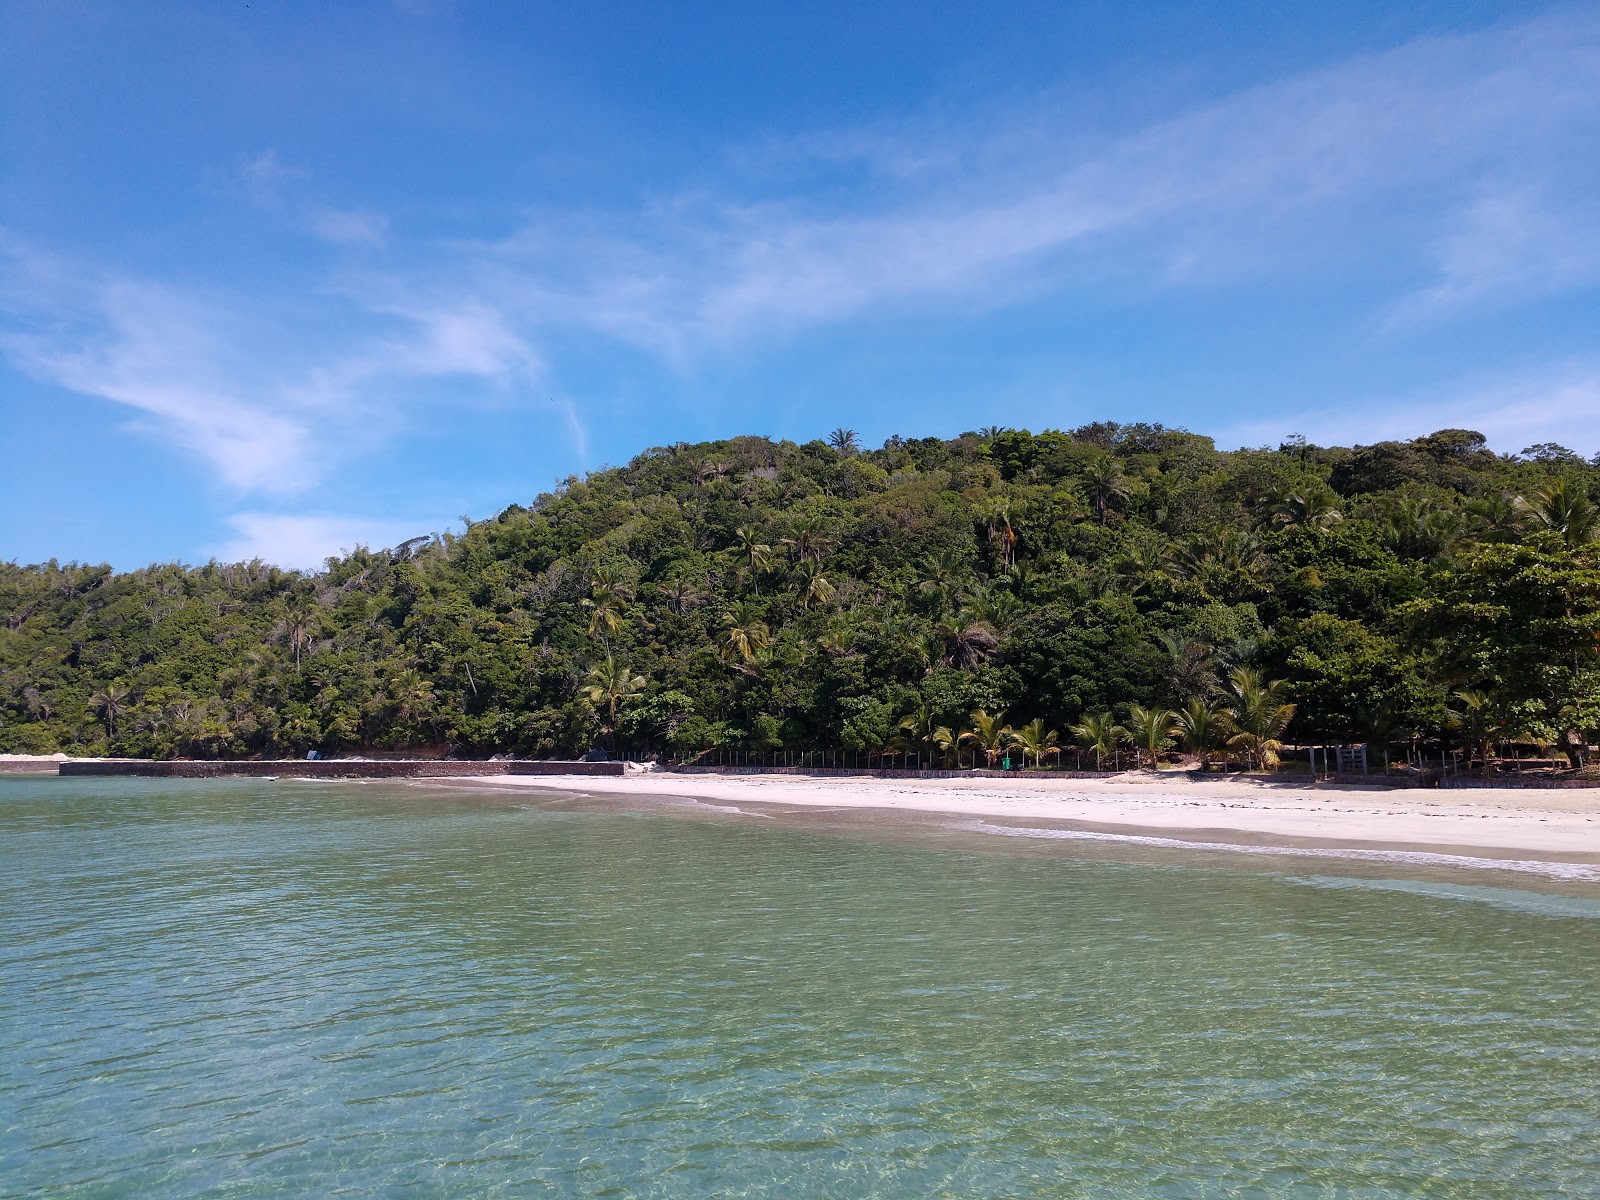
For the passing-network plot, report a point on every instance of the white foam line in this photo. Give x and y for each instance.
(1567, 871)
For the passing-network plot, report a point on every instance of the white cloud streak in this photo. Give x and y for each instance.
(1513, 410)
(193, 369)
(1283, 176)
(303, 541)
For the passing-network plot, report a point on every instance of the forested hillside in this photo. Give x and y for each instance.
(757, 594)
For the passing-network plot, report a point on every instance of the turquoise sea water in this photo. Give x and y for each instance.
(249, 989)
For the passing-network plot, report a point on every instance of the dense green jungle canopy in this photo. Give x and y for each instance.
(758, 594)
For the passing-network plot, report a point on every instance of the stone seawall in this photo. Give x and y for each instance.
(335, 768)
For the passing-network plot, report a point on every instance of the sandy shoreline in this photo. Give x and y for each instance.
(1556, 827)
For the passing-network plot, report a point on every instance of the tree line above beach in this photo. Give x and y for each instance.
(1113, 588)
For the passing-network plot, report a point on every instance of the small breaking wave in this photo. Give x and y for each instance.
(1569, 872)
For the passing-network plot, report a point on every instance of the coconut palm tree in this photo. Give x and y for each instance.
(745, 635)
(1497, 517)
(988, 733)
(1192, 669)
(815, 587)
(1258, 714)
(968, 640)
(680, 594)
(1099, 734)
(1201, 727)
(1150, 730)
(920, 731)
(609, 591)
(755, 552)
(1104, 481)
(1313, 507)
(942, 576)
(112, 702)
(1563, 507)
(1034, 739)
(844, 441)
(612, 683)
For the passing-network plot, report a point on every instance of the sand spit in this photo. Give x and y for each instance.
(1480, 823)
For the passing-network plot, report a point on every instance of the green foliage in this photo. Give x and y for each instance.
(765, 595)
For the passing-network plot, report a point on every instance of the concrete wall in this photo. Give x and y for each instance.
(332, 768)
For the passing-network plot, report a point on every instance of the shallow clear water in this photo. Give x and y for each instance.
(264, 989)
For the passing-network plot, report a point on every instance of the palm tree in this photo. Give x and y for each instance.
(1151, 730)
(412, 695)
(989, 432)
(680, 594)
(808, 538)
(989, 733)
(969, 640)
(1315, 507)
(756, 553)
(942, 574)
(1498, 517)
(609, 591)
(815, 586)
(920, 729)
(299, 616)
(1034, 739)
(1563, 507)
(1201, 726)
(112, 702)
(746, 635)
(1104, 481)
(1192, 670)
(844, 441)
(1258, 715)
(611, 683)
(1100, 734)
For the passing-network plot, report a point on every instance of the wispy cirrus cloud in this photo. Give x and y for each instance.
(349, 227)
(304, 540)
(1513, 409)
(209, 372)
(1376, 156)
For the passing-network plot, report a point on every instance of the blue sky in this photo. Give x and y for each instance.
(277, 278)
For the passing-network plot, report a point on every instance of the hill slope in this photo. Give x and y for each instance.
(759, 594)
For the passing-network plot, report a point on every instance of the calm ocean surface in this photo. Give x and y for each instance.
(246, 989)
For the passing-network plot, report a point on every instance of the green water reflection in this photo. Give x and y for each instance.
(257, 989)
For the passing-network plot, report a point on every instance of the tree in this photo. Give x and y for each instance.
(815, 587)
(844, 441)
(967, 639)
(920, 730)
(612, 683)
(1150, 730)
(1258, 715)
(1479, 723)
(1035, 740)
(299, 617)
(1522, 622)
(1202, 727)
(755, 552)
(111, 702)
(1564, 507)
(988, 732)
(1099, 734)
(745, 635)
(1104, 481)
(609, 591)
(1308, 507)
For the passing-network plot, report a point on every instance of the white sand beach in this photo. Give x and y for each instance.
(1551, 825)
